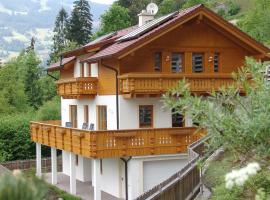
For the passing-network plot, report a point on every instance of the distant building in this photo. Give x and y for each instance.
(114, 132)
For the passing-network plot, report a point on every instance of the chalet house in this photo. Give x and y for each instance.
(115, 135)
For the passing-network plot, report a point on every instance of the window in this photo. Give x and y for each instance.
(77, 160)
(216, 62)
(102, 117)
(177, 119)
(82, 69)
(86, 114)
(158, 61)
(197, 62)
(146, 116)
(177, 62)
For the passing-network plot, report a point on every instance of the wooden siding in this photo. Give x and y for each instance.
(81, 87)
(114, 143)
(160, 83)
(106, 78)
(188, 38)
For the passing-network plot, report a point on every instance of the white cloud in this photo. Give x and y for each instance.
(5, 10)
(43, 5)
(16, 36)
(104, 1)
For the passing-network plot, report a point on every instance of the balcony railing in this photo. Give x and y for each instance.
(77, 87)
(114, 143)
(159, 83)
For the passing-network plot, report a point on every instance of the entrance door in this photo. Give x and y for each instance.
(73, 115)
(102, 117)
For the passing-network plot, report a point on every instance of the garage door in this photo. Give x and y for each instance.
(154, 172)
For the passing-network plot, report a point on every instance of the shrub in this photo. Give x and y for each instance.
(51, 110)
(240, 124)
(15, 142)
(18, 187)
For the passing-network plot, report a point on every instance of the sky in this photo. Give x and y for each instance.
(104, 1)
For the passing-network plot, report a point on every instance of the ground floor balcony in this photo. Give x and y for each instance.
(135, 84)
(114, 143)
(77, 88)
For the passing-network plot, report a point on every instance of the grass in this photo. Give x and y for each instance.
(54, 193)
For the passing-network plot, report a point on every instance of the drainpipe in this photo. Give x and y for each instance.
(126, 174)
(117, 93)
(61, 64)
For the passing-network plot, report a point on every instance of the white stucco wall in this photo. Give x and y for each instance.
(94, 69)
(148, 171)
(129, 112)
(108, 100)
(112, 177)
(83, 169)
(77, 65)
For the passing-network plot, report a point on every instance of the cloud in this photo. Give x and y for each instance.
(5, 10)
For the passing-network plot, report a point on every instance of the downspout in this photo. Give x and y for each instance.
(117, 93)
(126, 174)
(61, 64)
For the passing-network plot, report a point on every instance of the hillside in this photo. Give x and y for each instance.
(22, 19)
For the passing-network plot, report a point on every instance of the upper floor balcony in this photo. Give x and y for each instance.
(154, 83)
(76, 88)
(114, 143)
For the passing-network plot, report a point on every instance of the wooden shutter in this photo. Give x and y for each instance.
(86, 114)
(82, 69)
(73, 115)
(102, 117)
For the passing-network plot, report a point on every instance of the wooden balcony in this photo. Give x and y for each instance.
(77, 88)
(114, 143)
(136, 84)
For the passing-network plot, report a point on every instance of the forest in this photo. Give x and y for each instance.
(28, 93)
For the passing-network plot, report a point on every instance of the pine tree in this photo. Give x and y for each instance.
(60, 35)
(80, 23)
(31, 80)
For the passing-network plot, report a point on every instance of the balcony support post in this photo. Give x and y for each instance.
(72, 176)
(188, 121)
(38, 160)
(54, 165)
(96, 179)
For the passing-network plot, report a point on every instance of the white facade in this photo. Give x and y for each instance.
(143, 172)
(108, 174)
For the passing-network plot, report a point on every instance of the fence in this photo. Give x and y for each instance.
(31, 164)
(183, 185)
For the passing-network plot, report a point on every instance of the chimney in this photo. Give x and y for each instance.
(145, 16)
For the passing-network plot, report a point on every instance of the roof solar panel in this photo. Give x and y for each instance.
(146, 27)
(104, 37)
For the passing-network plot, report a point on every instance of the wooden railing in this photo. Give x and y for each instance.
(114, 143)
(159, 83)
(186, 183)
(77, 87)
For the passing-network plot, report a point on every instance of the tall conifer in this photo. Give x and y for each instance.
(60, 35)
(80, 23)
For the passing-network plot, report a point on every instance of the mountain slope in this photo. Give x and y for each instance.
(22, 19)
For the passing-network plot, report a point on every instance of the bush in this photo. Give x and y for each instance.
(234, 8)
(51, 110)
(240, 124)
(18, 187)
(15, 141)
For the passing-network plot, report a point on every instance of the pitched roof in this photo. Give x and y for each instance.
(120, 46)
(59, 64)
